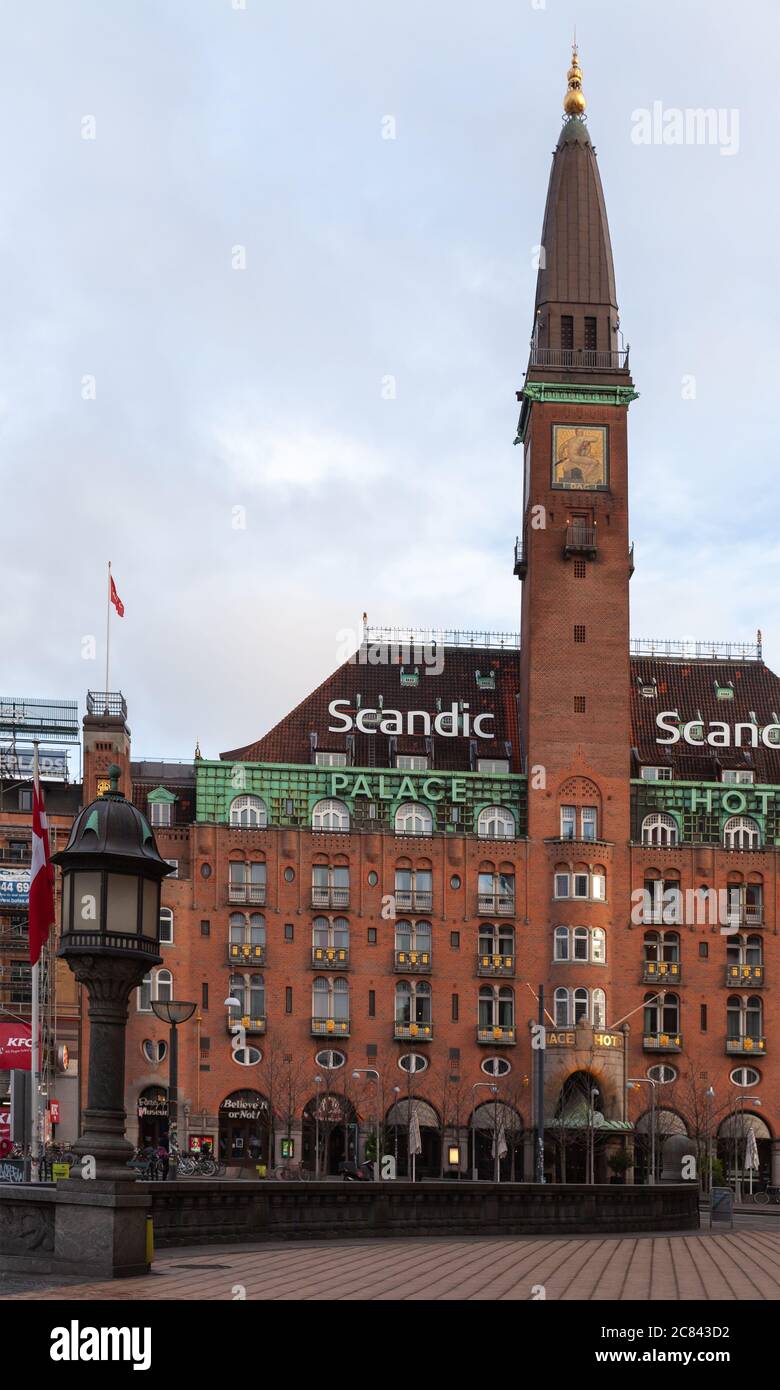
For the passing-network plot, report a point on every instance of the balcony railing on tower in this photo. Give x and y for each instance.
(588, 358)
(580, 540)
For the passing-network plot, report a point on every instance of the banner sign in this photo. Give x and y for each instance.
(14, 887)
(17, 762)
(15, 1047)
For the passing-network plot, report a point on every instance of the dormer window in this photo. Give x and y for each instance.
(724, 692)
(740, 776)
(324, 759)
(161, 803)
(656, 774)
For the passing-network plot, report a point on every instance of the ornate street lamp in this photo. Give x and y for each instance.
(111, 877)
(173, 1012)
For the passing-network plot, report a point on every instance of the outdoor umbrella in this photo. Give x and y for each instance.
(751, 1156)
(415, 1138)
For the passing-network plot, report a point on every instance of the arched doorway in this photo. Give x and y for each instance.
(575, 1131)
(428, 1161)
(496, 1126)
(331, 1121)
(733, 1149)
(671, 1146)
(244, 1128)
(153, 1118)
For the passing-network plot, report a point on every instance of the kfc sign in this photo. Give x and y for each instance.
(15, 1047)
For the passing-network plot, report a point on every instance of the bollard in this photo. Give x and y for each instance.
(149, 1240)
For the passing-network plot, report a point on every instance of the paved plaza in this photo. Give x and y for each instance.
(742, 1265)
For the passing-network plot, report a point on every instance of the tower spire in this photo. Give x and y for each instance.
(574, 101)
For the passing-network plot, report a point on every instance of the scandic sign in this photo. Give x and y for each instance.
(454, 722)
(15, 1047)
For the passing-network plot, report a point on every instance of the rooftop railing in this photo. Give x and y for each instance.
(579, 357)
(693, 649)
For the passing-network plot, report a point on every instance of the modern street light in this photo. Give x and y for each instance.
(490, 1087)
(111, 878)
(631, 1084)
(317, 1083)
(372, 1071)
(173, 1012)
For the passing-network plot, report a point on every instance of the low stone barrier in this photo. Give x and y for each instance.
(213, 1211)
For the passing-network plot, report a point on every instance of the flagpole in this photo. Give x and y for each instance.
(35, 1068)
(108, 627)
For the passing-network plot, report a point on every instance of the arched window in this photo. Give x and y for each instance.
(496, 1007)
(163, 985)
(247, 930)
(599, 1009)
(659, 829)
(744, 1019)
(413, 1002)
(166, 926)
(330, 1002)
(598, 945)
(496, 823)
(248, 813)
(330, 939)
(496, 940)
(662, 1017)
(580, 1006)
(561, 951)
(413, 819)
(330, 815)
(561, 1008)
(413, 937)
(580, 943)
(249, 990)
(741, 832)
(662, 948)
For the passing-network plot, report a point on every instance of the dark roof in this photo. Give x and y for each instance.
(289, 741)
(176, 777)
(578, 264)
(690, 688)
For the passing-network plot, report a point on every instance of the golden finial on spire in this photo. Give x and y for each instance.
(574, 101)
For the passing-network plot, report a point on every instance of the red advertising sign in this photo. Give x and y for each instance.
(15, 1047)
(5, 1128)
(54, 1107)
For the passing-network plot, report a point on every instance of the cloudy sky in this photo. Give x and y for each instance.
(202, 307)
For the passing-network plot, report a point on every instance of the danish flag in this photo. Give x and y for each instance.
(41, 912)
(115, 599)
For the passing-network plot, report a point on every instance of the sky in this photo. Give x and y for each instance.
(266, 290)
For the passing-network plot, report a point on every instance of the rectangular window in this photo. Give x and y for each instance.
(703, 1017)
(493, 765)
(412, 762)
(579, 704)
(205, 927)
(204, 996)
(454, 1008)
(567, 331)
(704, 949)
(656, 774)
(160, 813)
(288, 999)
(588, 822)
(325, 759)
(736, 775)
(598, 886)
(289, 931)
(372, 1003)
(561, 885)
(372, 936)
(590, 334)
(581, 886)
(568, 822)
(455, 940)
(579, 632)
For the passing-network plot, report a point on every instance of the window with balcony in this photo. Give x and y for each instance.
(496, 823)
(496, 1010)
(412, 818)
(578, 822)
(413, 889)
(745, 1016)
(496, 949)
(249, 990)
(744, 954)
(659, 829)
(662, 1016)
(330, 940)
(330, 885)
(741, 832)
(246, 882)
(330, 1004)
(662, 902)
(745, 903)
(412, 939)
(248, 813)
(330, 815)
(246, 936)
(496, 892)
(413, 1003)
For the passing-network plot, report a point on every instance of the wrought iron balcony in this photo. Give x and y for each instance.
(498, 1035)
(745, 916)
(417, 1032)
(751, 1045)
(244, 953)
(329, 897)
(488, 964)
(15, 856)
(322, 956)
(246, 893)
(330, 1027)
(110, 702)
(413, 962)
(410, 900)
(496, 904)
(521, 559)
(252, 1026)
(662, 1042)
(666, 970)
(580, 540)
(744, 976)
(590, 359)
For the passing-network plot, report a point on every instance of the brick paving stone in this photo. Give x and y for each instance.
(743, 1264)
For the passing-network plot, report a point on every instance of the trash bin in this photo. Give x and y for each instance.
(261, 1170)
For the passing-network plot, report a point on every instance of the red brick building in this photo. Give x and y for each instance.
(384, 880)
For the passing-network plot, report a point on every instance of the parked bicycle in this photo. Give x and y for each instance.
(292, 1172)
(769, 1194)
(199, 1165)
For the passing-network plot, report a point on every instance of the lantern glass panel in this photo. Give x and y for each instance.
(122, 914)
(87, 900)
(151, 908)
(67, 900)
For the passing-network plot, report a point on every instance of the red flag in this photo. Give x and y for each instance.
(116, 600)
(41, 911)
